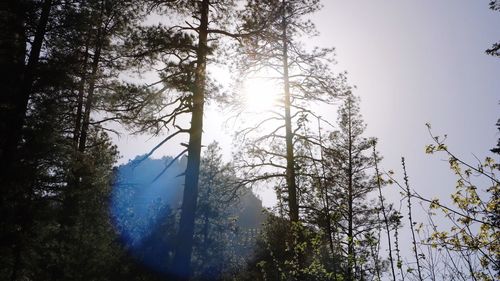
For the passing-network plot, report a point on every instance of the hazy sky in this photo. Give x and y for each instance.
(412, 62)
(416, 62)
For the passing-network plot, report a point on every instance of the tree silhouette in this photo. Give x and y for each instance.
(305, 78)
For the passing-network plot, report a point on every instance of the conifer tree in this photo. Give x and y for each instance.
(270, 146)
(185, 48)
(56, 191)
(304, 77)
(349, 180)
(215, 232)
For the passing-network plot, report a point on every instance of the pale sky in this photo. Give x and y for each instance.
(416, 62)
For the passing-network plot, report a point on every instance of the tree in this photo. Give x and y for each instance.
(88, 45)
(190, 45)
(24, 159)
(273, 260)
(216, 217)
(277, 49)
(269, 146)
(349, 180)
(474, 234)
(15, 101)
(54, 188)
(304, 77)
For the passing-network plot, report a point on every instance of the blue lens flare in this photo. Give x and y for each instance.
(144, 209)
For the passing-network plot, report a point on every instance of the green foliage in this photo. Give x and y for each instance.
(474, 234)
(288, 252)
(59, 227)
(74, 66)
(466, 248)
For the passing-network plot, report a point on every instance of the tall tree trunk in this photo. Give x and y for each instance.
(293, 206)
(22, 98)
(79, 102)
(90, 94)
(14, 106)
(183, 251)
(350, 235)
(12, 56)
(98, 44)
(324, 191)
(290, 161)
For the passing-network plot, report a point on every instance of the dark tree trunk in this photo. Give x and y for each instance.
(293, 206)
(79, 102)
(92, 81)
(350, 233)
(183, 251)
(90, 98)
(324, 189)
(290, 161)
(16, 198)
(21, 99)
(98, 44)
(12, 56)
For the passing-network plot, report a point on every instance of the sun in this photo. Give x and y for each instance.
(260, 94)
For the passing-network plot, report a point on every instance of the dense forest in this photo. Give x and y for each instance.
(73, 71)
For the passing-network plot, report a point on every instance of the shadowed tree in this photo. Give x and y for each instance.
(15, 100)
(218, 203)
(55, 191)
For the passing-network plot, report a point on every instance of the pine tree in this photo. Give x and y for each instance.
(15, 101)
(304, 76)
(57, 192)
(349, 181)
(272, 148)
(215, 231)
(186, 48)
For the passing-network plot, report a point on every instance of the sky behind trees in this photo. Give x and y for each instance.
(415, 63)
(411, 63)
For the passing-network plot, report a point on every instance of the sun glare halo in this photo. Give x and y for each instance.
(260, 94)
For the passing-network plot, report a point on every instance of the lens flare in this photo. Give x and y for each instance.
(260, 94)
(142, 210)
(145, 213)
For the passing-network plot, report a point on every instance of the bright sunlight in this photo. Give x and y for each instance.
(260, 94)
